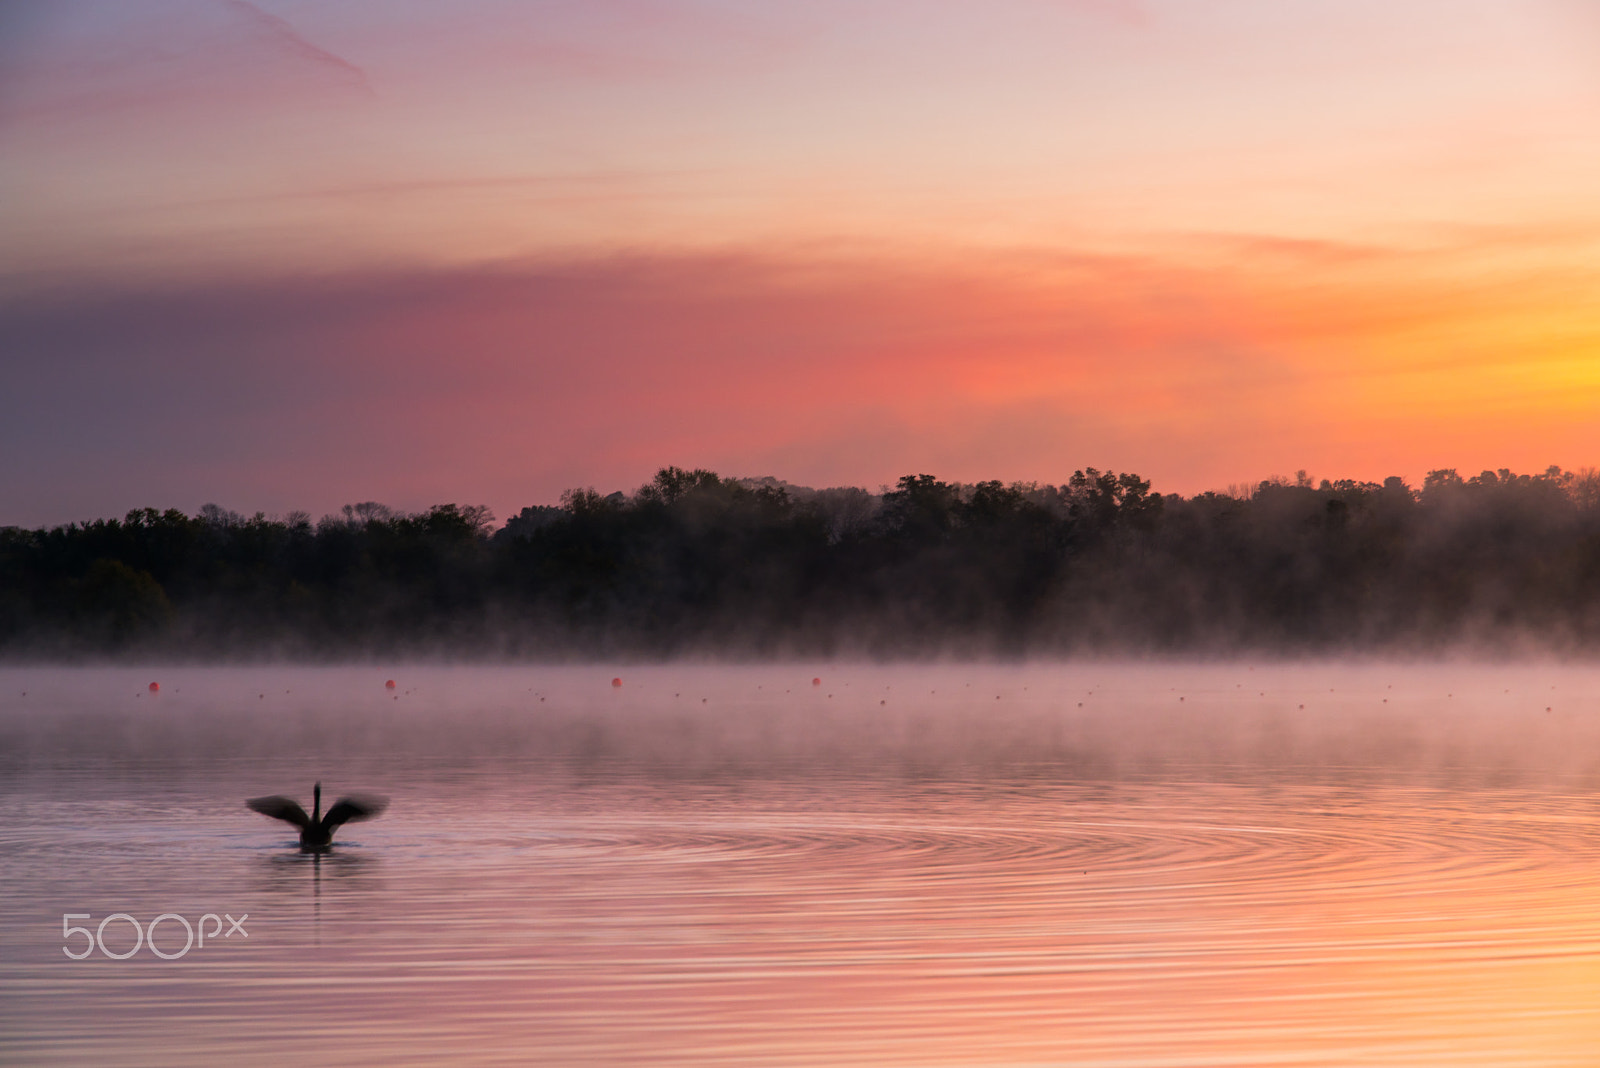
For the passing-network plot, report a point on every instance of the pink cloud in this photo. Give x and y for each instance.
(507, 386)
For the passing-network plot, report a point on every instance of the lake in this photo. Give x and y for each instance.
(1095, 864)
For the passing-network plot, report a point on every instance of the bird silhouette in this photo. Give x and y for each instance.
(316, 830)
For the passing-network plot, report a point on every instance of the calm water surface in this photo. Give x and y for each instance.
(1087, 865)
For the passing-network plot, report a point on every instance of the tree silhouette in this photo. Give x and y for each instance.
(697, 562)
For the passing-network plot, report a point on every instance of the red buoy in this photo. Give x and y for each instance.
(389, 685)
(616, 682)
(816, 682)
(155, 687)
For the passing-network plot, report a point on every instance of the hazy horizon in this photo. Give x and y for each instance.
(498, 520)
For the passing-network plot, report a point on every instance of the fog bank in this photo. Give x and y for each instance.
(1102, 721)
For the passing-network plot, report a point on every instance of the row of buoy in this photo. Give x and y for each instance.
(389, 684)
(618, 682)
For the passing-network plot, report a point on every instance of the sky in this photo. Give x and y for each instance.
(291, 255)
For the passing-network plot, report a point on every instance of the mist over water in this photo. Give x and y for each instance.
(1095, 863)
(1108, 720)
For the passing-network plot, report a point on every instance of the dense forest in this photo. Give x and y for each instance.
(694, 563)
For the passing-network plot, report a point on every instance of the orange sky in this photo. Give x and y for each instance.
(287, 255)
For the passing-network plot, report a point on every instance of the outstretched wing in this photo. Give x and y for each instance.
(281, 808)
(351, 809)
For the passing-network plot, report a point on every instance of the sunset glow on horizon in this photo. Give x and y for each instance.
(288, 255)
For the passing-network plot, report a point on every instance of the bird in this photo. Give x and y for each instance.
(316, 830)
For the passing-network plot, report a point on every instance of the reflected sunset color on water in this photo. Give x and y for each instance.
(727, 866)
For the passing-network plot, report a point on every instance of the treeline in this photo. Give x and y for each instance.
(694, 563)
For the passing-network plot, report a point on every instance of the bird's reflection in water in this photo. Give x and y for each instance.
(290, 876)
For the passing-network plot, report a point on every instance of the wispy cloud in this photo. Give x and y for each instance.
(288, 38)
(181, 59)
